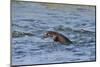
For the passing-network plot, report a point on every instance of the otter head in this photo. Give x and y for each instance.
(49, 34)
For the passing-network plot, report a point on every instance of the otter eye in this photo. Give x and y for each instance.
(47, 34)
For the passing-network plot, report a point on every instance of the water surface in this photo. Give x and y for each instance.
(74, 21)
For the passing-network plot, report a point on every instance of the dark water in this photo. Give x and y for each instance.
(31, 20)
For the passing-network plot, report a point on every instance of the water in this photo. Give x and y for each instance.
(74, 21)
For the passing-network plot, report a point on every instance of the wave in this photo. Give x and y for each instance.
(21, 34)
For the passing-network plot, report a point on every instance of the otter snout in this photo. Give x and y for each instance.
(45, 35)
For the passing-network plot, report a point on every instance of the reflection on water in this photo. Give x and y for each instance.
(31, 20)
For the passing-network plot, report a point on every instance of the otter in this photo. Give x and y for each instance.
(57, 37)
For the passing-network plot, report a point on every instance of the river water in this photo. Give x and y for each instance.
(76, 22)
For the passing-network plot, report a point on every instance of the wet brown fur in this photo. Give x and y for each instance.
(57, 37)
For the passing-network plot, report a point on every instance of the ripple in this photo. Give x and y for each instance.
(33, 49)
(80, 54)
(21, 34)
(82, 9)
(29, 20)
